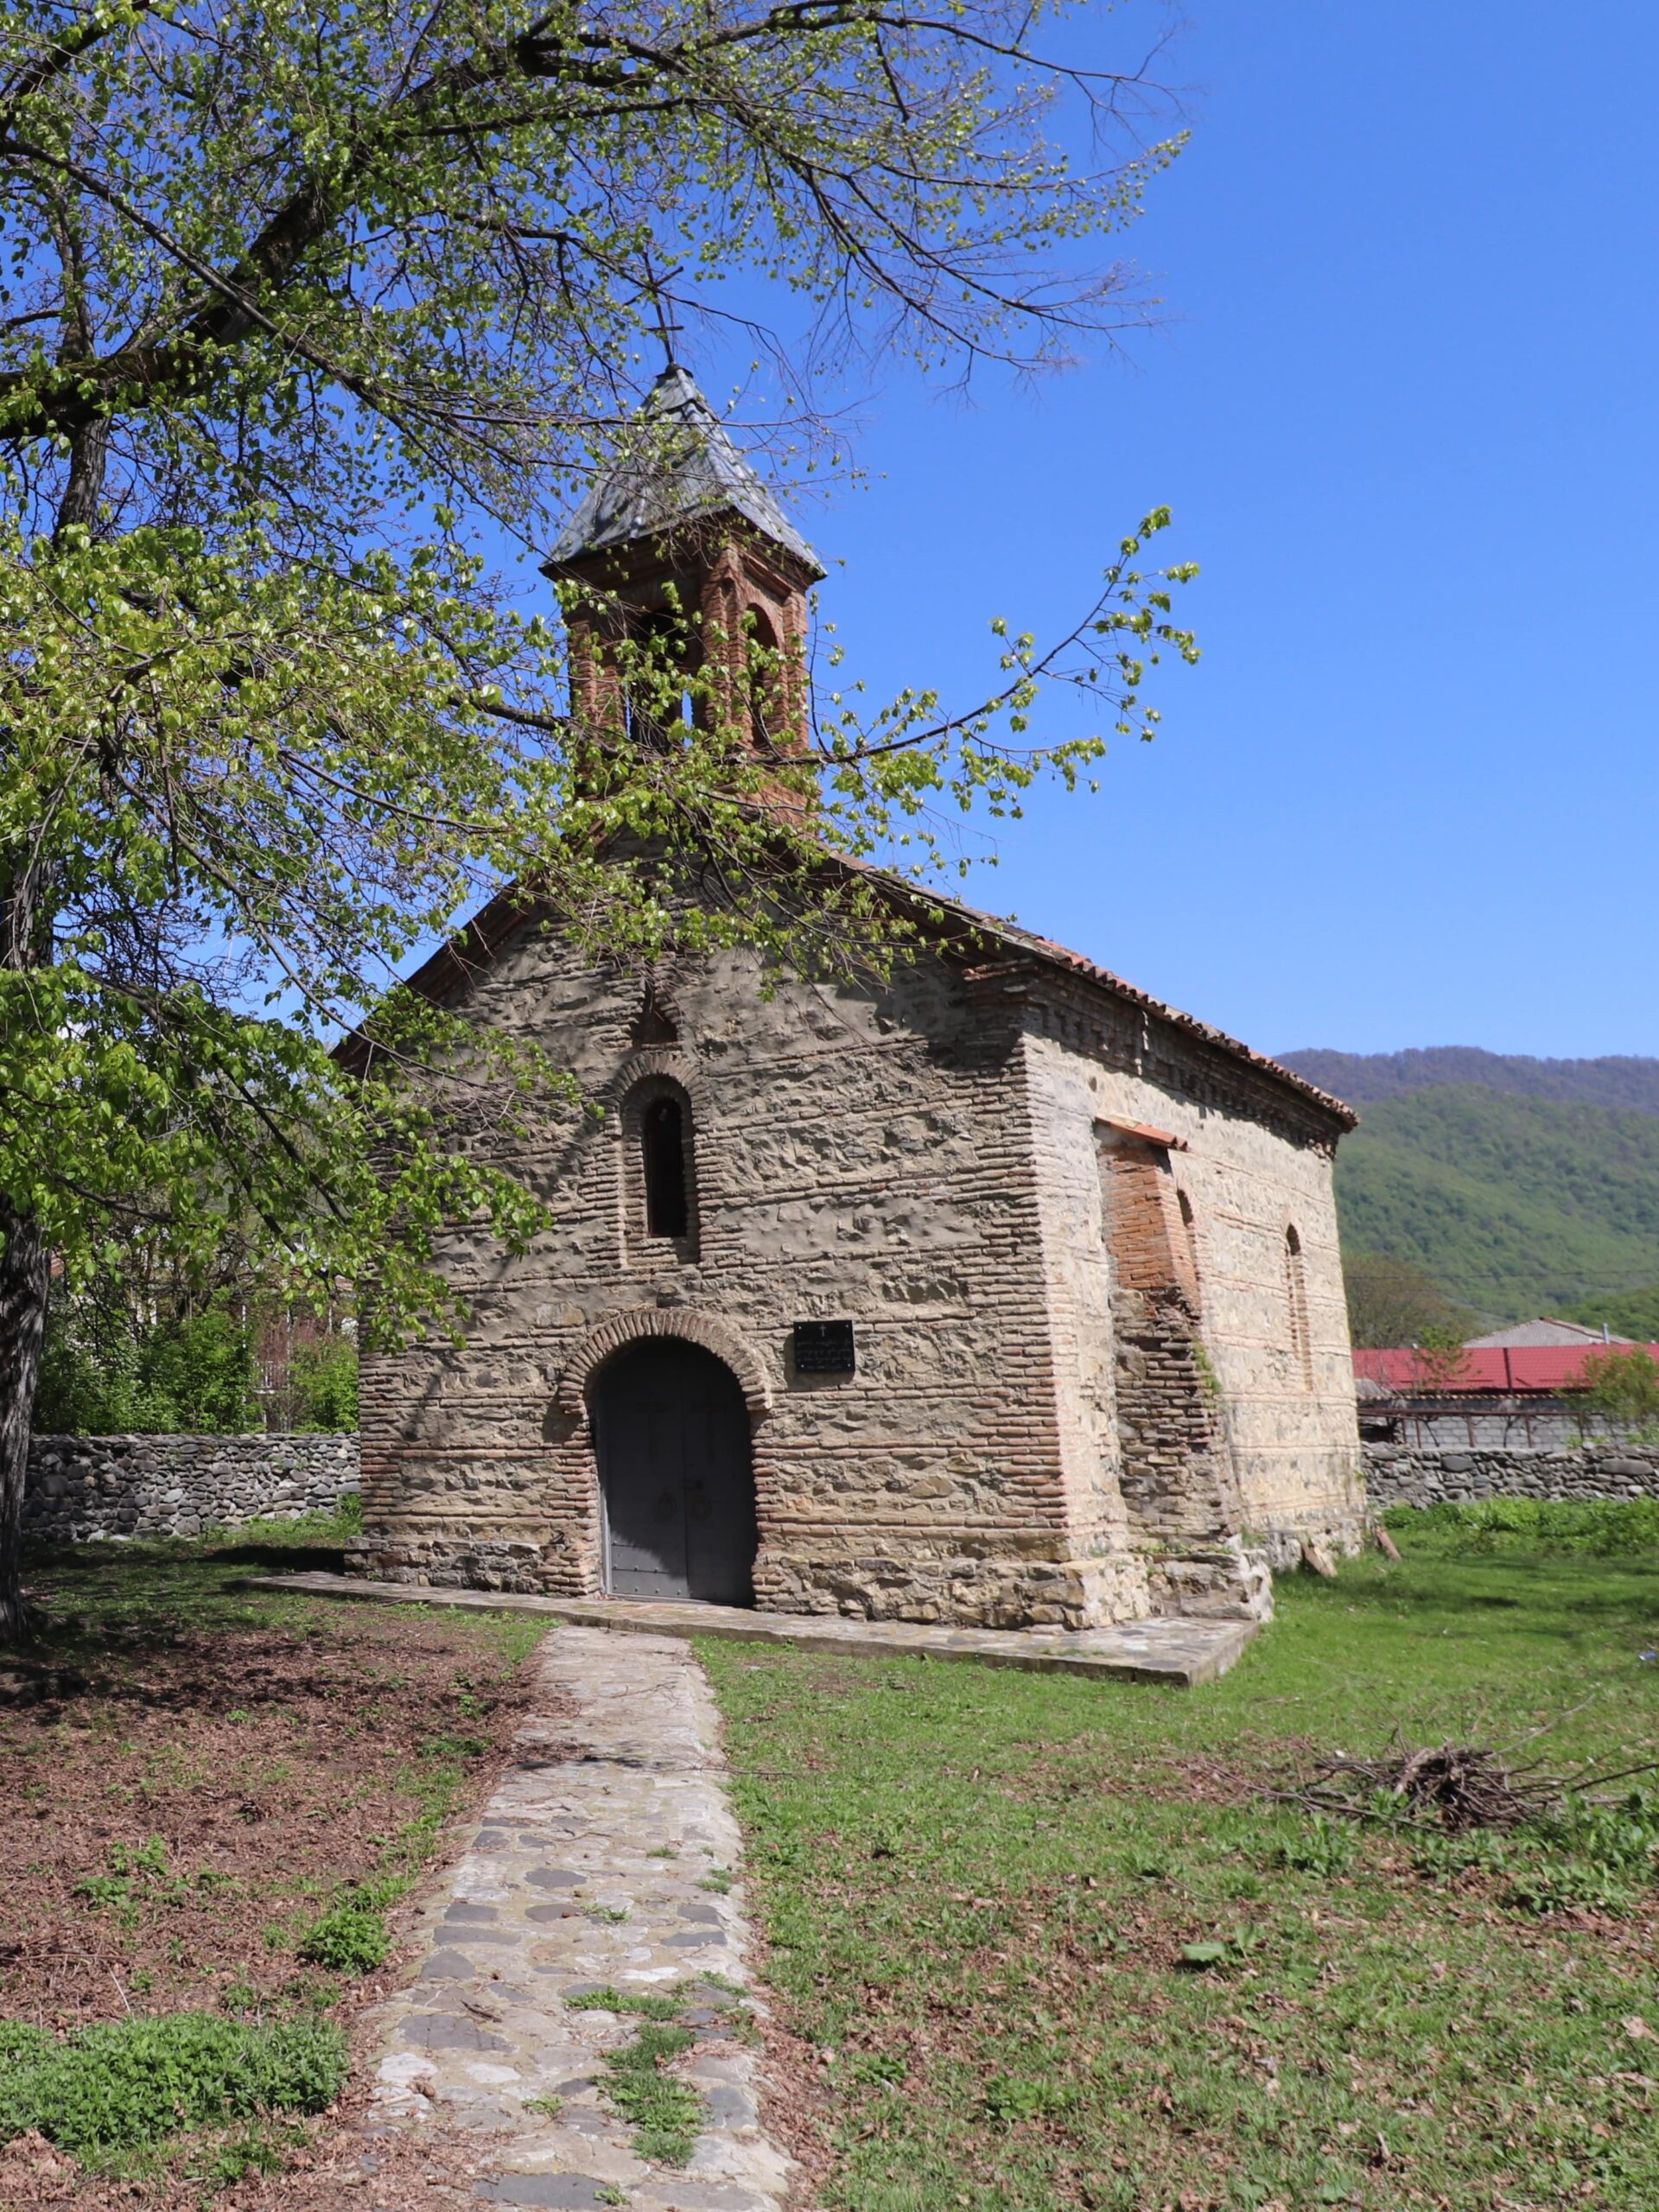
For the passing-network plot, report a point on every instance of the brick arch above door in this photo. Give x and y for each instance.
(707, 1329)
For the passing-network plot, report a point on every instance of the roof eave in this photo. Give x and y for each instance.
(1041, 956)
(604, 564)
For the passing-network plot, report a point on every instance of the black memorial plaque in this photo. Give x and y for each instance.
(824, 1348)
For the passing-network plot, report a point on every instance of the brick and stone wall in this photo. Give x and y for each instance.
(858, 1155)
(1277, 1444)
(82, 1487)
(922, 1159)
(1426, 1475)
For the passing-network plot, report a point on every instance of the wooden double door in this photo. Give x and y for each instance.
(676, 1476)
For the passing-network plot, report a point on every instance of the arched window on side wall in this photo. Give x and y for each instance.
(1301, 1347)
(663, 1140)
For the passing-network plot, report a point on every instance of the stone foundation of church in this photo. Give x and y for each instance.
(946, 1586)
(952, 1586)
(1227, 1581)
(449, 1562)
(1341, 1531)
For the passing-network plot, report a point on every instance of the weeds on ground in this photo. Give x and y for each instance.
(649, 2004)
(141, 1874)
(665, 2113)
(1599, 1527)
(125, 2083)
(220, 1714)
(350, 1936)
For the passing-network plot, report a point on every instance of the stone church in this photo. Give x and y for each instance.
(998, 1292)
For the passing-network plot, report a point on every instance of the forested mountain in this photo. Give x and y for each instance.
(1628, 1082)
(1522, 1186)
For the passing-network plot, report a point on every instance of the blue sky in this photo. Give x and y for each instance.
(1403, 404)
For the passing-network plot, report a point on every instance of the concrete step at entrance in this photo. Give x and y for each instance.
(1179, 1651)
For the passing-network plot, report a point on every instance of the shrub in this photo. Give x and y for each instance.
(105, 1372)
(324, 1377)
(21, 2043)
(1620, 1386)
(125, 2083)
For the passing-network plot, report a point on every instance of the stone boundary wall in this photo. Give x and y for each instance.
(79, 1488)
(1399, 1474)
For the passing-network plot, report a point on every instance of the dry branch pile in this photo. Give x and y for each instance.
(1452, 1787)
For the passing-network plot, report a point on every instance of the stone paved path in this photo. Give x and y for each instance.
(589, 1871)
(1176, 1649)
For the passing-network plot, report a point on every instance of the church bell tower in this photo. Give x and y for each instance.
(680, 540)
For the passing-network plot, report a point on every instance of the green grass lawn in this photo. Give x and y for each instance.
(978, 1887)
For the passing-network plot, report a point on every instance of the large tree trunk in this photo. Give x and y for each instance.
(25, 1268)
(25, 1275)
(25, 1258)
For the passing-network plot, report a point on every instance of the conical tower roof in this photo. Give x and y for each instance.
(675, 465)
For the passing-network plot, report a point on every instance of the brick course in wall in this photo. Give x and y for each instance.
(80, 1489)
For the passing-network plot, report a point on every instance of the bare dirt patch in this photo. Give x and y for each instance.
(167, 1829)
(191, 1774)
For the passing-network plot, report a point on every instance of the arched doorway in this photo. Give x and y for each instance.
(671, 1434)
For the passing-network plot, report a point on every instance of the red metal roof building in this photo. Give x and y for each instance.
(1506, 1370)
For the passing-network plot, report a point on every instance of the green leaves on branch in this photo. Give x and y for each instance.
(290, 299)
(886, 770)
(339, 254)
(258, 786)
(252, 791)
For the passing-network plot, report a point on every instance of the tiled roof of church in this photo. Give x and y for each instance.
(676, 464)
(1076, 964)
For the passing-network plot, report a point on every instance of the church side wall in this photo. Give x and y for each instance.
(1283, 1384)
(857, 1156)
(1286, 1382)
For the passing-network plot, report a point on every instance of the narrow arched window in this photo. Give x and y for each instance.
(1301, 1347)
(662, 1137)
